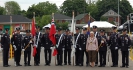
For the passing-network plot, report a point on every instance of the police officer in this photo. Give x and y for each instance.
(77, 46)
(17, 45)
(5, 45)
(125, 43)
(59, 46)
(84, 37)
(47, 44)
(67, 51)
(27, 42)
(102, 43)
(96, 35)
(114, 46)
(38, 45)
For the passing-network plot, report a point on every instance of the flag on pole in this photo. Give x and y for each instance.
(88, 32)
(52, 35)
(73, 31)
(33, 35)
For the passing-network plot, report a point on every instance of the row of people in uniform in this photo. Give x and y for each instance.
(64, 43)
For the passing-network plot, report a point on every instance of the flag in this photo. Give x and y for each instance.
(52, 33)
(33, 34)
(88, 32)
(52, 36)
(11, 49)
(73, 31)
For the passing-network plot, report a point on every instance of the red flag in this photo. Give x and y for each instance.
(33, 34)
(55, 52)
(52, 34)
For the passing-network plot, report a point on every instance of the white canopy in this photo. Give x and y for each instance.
(48, 25)
(100, 24)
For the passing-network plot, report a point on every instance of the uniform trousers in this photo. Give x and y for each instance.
(102, 55)
(125, 58)
(17, 55)
(59, 57)
(67, 54)
(37, 57)
(27, 55)
(82, 57)
(47, 55)
(114, 54)
(5, 56)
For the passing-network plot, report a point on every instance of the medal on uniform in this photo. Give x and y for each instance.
(46, 43)
(122, 44)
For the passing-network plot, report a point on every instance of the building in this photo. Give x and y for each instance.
(17, 21)
(112, 17)
(60, 18)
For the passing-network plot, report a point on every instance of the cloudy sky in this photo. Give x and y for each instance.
(24, 4)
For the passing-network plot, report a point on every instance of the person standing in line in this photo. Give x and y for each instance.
(125, 43)
(5, 45)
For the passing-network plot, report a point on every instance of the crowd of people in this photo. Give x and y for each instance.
(85, 45)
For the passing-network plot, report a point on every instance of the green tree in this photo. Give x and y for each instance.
(103, 19)
(62, 25)
(46, 19)
(12, 7)
(79, 7)
(105, 5)
(2, 10)
(23, 12)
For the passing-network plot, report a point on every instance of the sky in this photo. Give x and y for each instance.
(24, 4)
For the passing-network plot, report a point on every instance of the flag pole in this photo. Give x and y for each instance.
(55, 47)
(73, 35)
(11, 36)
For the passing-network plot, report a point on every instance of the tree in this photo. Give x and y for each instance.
(2, 10)
(46, 19)
(79, 7)
(62, 25)
(46, 8)
(12, 7)
(105, 5)
(23, 12)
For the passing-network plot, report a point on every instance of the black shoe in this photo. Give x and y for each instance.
(9, 65)
(19, 65)
(81, 65)
(100, 66)
(46, 64)
(57, 64)
(69, 63)
(5, 66)
(29, 65)
(76, 65)
(127, 66)
(25, 64)
(86, 65)
(113, 66)
(116, 66)
(122, 66)
(65, 64)
(96, 64)
(103, 65)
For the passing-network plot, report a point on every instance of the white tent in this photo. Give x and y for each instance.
(100, 24)
(48, 25)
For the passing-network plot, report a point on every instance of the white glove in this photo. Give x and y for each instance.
(102, 41)
(23, 50)
(14, 47)
(116, 48)
(128, 49)
(51, 48)
(80, 49)
(63, 49)
(42, 47)
(74, 46)
(1, 49)
(56, 45)
(30, 41)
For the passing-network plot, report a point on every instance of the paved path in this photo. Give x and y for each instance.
(67, 67)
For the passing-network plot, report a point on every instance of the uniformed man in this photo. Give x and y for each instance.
(67, 51)
(17, 45)
(114, 46)
(5, 45)
(102, 44)
(27, 44)
(84, 37)
(125, 43)
(77, 46)
(59, 46)
(96, 35)
(38, 45)
(47, 44)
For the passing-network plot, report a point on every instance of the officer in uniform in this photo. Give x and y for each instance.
(27, 42)
(67, 51)
(59, 46)
(77, 46)
(125, 43)
(114, 46)
(5, 45)
(102, 43)
(47, 44)
(38, 45)
(96, 35)
(17, 45)
(84, 37)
